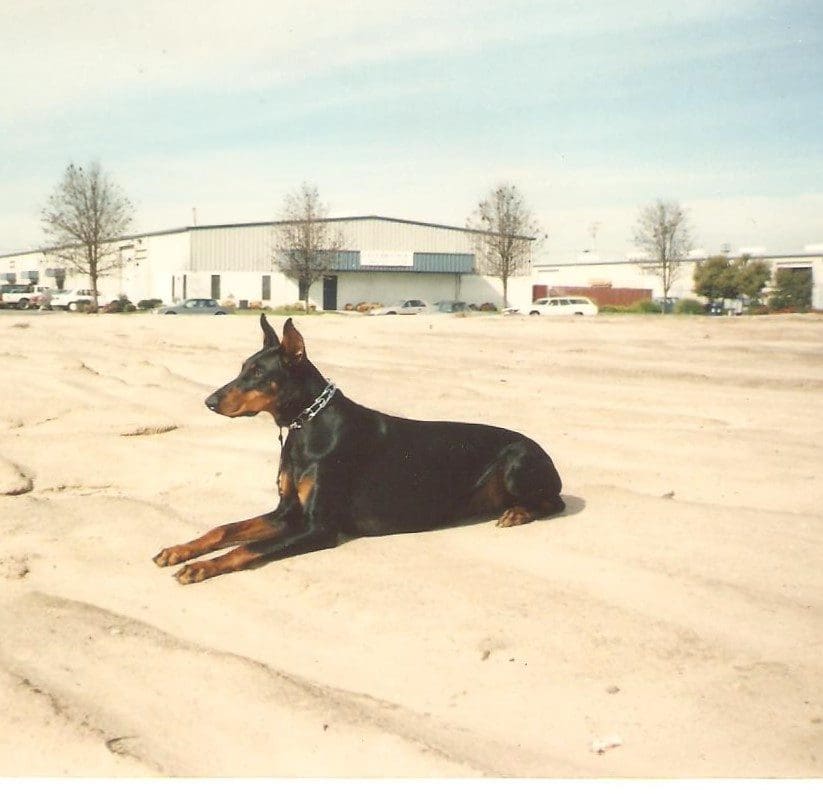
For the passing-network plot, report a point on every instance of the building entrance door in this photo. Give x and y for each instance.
(330, 293)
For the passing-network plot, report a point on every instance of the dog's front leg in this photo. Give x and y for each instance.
(291, 540)
(312, 524)
(251, 529)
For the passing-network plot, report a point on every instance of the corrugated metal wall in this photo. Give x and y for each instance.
(232, 248)
(391, 235)
(243, 248)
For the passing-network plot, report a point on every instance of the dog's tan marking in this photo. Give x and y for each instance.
(515, 516)
(304, 489)
(235, 560)
(236, 402)
(285, 484)
(490, 496)
(218, 538)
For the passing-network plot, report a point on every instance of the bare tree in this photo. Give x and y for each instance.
(83, 218)
(306, 244)
(663, 234)
(508, 230)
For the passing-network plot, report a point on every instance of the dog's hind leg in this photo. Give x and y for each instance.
(531, 484)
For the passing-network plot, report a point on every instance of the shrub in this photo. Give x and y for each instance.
(149, 303)
(366, 306)
(294, 308)
(121, 304)
(647, 307)
(792, 289)
(689, 306)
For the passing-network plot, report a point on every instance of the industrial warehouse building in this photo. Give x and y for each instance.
(589, 275)
(385, 260)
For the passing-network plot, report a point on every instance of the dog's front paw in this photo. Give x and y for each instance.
(191, 574)
(169, 556)
(515, 516)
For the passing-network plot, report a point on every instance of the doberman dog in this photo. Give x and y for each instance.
(350, 469)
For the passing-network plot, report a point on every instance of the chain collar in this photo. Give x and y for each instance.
(315, 408)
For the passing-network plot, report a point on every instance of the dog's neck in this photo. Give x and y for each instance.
(307, 414)
(313, 390)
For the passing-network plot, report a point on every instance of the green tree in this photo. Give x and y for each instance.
(719, 277)
(752, 277)
(792, 289)
(716, 278)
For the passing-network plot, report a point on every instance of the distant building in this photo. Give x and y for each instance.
(386, 259)
(636, 273)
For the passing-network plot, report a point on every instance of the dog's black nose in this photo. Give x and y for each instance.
(212, 401)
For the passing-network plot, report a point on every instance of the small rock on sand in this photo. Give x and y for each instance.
(12, 480)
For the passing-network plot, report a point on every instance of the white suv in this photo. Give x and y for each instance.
(563, 305)
(74, 299)
(406, 306)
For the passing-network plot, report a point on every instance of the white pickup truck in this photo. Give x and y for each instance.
(18, 296)
(30, 296)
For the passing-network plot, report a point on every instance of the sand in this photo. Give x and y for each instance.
(672, 618)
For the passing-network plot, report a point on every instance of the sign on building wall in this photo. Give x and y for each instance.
(387, 259)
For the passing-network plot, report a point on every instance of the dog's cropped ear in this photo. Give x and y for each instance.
(293, 345)
(269, 336)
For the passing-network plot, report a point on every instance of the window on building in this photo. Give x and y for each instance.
(215, 287)
(265, 290)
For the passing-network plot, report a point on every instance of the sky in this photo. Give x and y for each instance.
(417, 110)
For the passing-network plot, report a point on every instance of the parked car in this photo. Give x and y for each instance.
(74, 299)
(17, 296)
(451, 307)
(667, 306)
(562, 306)
(196, 306)
(42, 297)
(406, 306)
(726, 306)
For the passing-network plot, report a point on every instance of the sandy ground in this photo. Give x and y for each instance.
(674, 610)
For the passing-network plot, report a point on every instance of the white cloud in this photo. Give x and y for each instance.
(65, 52)
(61, 53)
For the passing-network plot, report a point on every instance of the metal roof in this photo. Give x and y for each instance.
(349, 218)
